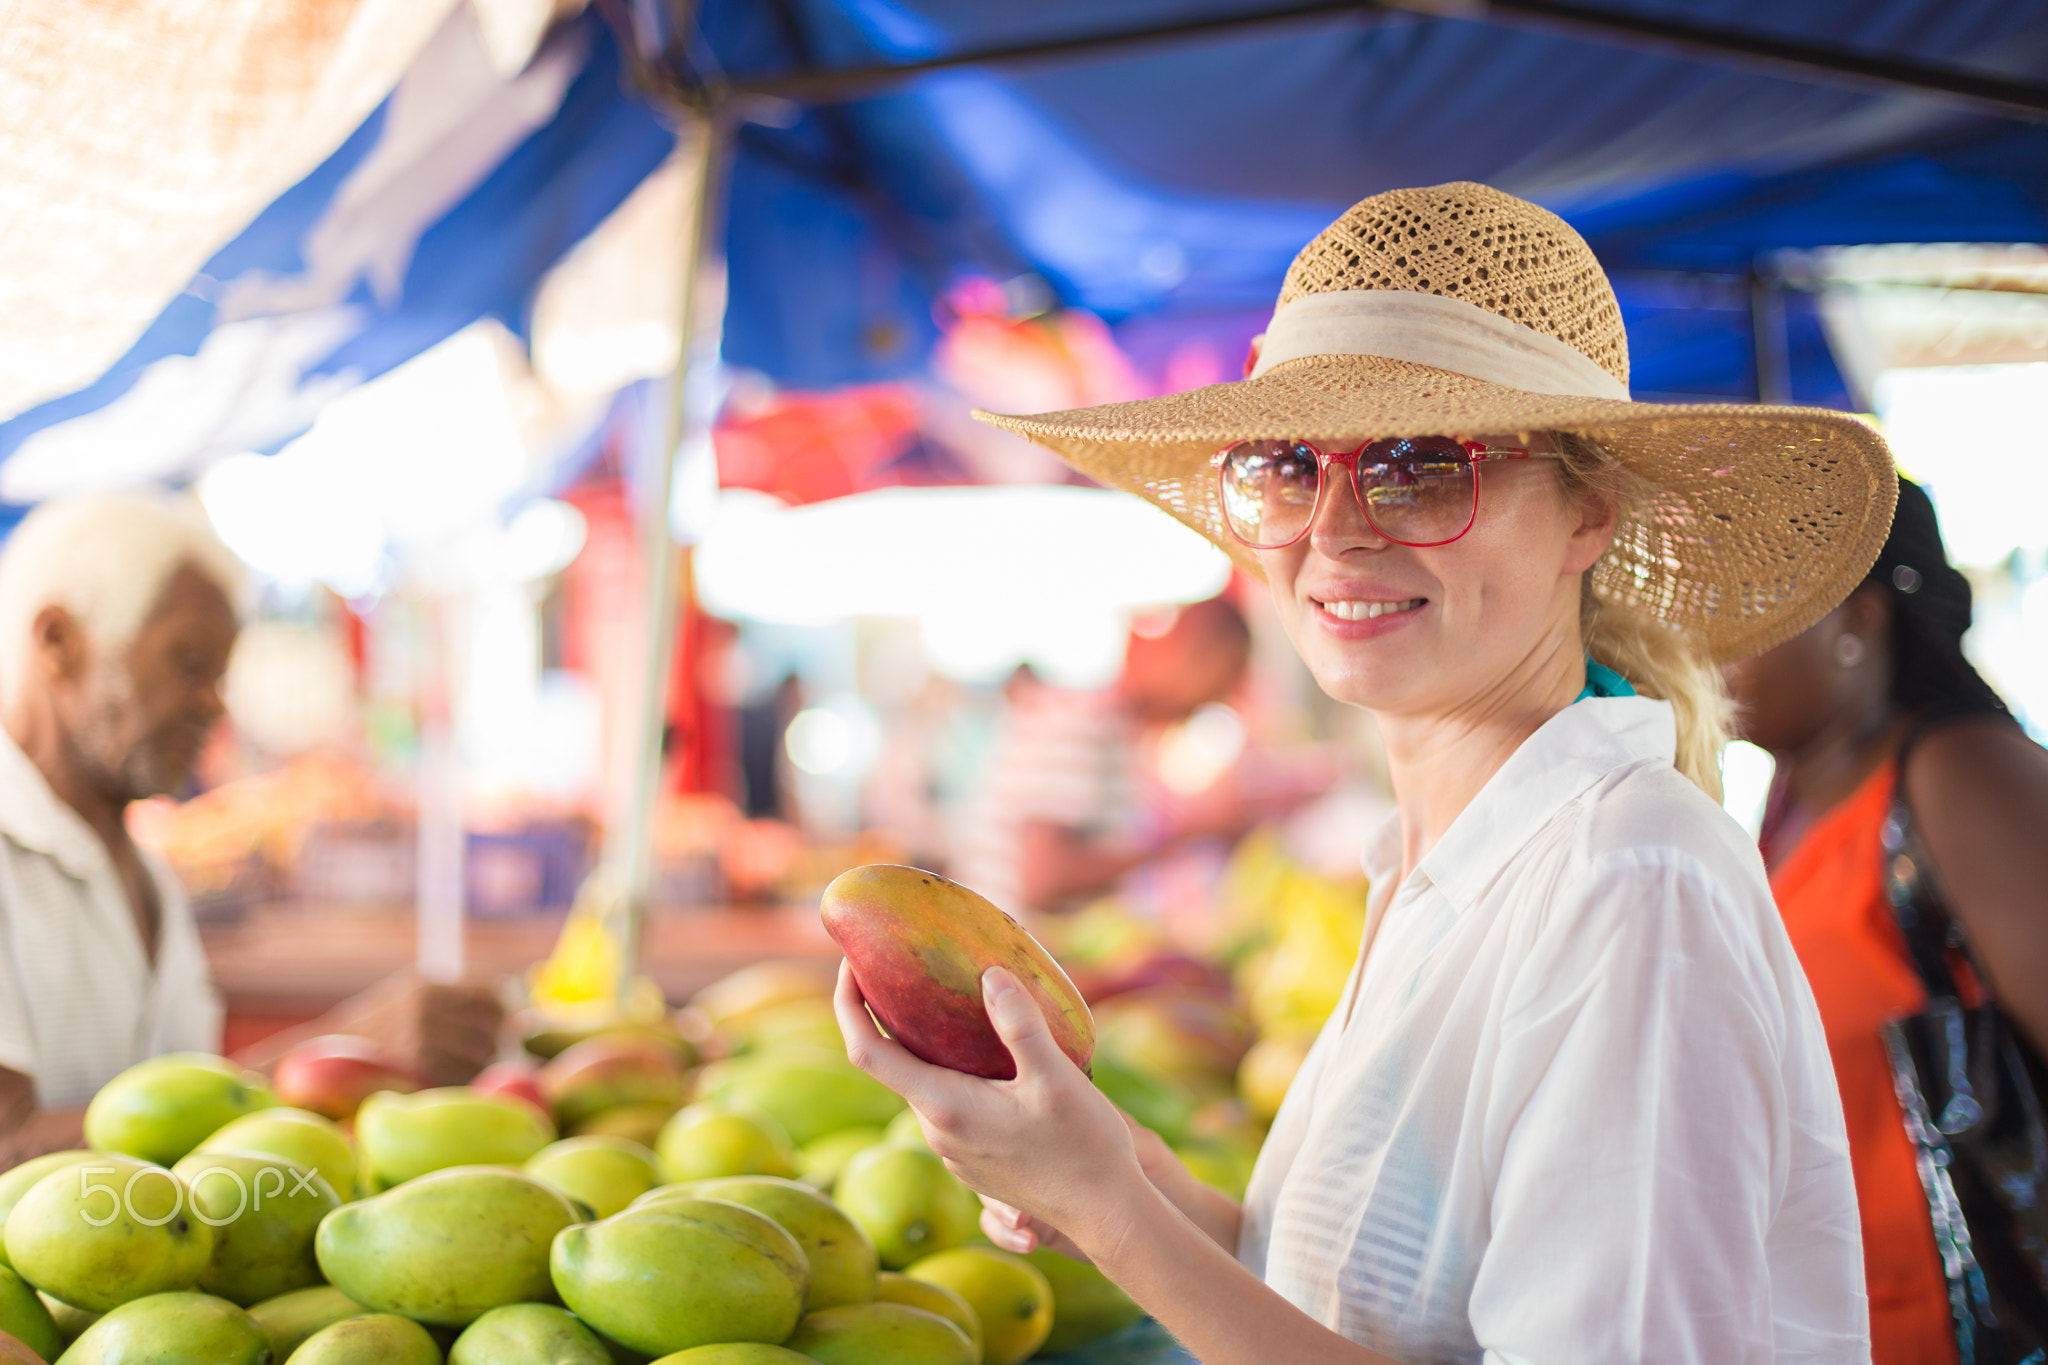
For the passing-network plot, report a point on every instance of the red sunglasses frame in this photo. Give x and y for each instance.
(1476, 453)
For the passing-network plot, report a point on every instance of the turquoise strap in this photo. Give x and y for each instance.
(1602, 681)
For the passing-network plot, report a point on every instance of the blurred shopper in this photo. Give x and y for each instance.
(771, 792)
(1874, 715)
(117, 616)
(1068, 805)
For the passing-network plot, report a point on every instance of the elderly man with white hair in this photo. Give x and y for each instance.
(117, 616)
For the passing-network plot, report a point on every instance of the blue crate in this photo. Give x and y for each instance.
(1144, 1342)
(526, 871)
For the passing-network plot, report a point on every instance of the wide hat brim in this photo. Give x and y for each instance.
(1762, 519)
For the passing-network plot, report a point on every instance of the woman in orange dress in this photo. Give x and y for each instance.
(1877, 702)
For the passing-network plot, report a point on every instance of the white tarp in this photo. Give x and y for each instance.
(139, 135)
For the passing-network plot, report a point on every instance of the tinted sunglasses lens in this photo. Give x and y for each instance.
(1269, 491)
(1417, 490)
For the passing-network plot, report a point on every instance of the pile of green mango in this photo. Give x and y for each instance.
(776, 1205)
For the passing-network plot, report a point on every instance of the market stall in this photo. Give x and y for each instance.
(588, 389)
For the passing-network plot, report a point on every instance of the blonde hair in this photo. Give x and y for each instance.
(1658, 660)
(105, 558)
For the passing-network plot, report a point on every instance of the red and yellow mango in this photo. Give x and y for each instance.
(918, 945)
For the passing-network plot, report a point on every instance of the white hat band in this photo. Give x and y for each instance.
(1429, 329)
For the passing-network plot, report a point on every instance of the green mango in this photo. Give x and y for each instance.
(263, 1211)
(607, 1173)
(172, 1329)
(736, 1353)
(681, 1273)
(903, 1131)
(892, 1287)
(289, 1319)
(808, 1024)
(809, 1093)
(69, 1321)
(841, 1258)
(448, 1247)
(1220, 1163)
(373, 1339)
(528, 1334)
(881, 1334)
(404, 1137)
(302, 1137)
(820, 1162)
(1010, 1298)
(1157, 1104)
(907, 1202)
(639, 1123)
(107, 1231)
(1085, 1303)
(159, 1110)
(622, 1355)
(16, 1182)
(23, 1316)
(708, 1140)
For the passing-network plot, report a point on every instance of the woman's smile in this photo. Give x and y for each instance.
(1365, 618)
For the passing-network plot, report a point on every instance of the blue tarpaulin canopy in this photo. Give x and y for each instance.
(1178, 178)
(1162, 183)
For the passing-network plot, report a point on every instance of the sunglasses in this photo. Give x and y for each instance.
(1417, 491)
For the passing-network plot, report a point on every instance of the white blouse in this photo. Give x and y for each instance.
(1576, 1106)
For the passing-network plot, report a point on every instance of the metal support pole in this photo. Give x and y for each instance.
(1770, 344)
(440, 835)
(1981, 92)
(629, 854)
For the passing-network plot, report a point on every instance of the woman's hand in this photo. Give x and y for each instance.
(1015, 1230)
(1049, 1151)
(1211, 1210)
(1012, 1229)
(1048, 1146)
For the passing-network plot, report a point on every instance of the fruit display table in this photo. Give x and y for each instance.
(461, 1207)
(286, 963)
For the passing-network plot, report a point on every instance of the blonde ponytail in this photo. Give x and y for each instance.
(1657, 660)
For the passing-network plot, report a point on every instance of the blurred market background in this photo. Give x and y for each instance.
(398, 290)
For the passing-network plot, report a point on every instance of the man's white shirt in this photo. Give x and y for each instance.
(79, 999)
(1576, 1107)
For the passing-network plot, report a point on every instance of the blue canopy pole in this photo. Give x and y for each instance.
(629, 853)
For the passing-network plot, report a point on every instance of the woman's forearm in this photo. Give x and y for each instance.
(1208, 1208)
(1214, 1212)
(1181, 1273)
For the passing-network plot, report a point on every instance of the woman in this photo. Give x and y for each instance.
(1876, 705)
(1575, 1105)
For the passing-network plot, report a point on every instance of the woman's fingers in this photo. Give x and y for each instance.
(1003, 1213)
(883, 1058)
(1014, 1230)
(1021, 1025)
(850, 1007)
(1021, 1239)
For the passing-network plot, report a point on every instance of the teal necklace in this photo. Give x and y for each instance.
(1602, 681)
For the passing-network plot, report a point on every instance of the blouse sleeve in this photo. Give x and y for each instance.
(1638, 1127)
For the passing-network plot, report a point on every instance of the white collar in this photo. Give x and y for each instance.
(34, 816)
(1572, 750)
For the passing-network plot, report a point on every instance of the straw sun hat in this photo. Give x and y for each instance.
(1463, 311)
